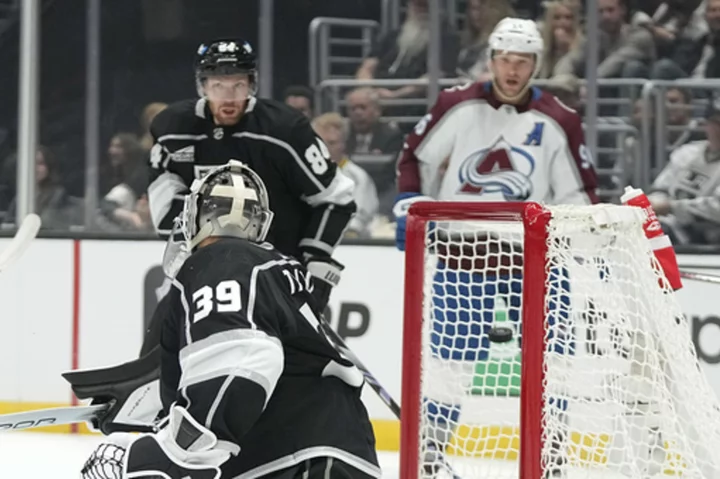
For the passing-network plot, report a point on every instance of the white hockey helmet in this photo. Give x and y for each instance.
(517, 35)
(230, 200)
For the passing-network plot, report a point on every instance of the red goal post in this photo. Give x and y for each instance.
(534, 219)
(594, 374)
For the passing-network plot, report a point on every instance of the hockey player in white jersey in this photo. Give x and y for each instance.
(501, 140)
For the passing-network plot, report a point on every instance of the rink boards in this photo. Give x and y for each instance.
(80, 304)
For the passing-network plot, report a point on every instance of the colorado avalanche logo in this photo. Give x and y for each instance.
(501, 168)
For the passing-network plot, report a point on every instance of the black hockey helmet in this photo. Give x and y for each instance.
(226, 57)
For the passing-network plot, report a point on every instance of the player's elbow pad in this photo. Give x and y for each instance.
(226, 369)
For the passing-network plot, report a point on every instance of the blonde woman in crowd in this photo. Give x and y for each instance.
(481, 17)
(562, 36)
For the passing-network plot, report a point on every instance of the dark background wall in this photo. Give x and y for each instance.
(147, 52)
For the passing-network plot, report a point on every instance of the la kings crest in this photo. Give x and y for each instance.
(501, 168)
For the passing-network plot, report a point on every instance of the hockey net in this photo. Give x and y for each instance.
(546, 342)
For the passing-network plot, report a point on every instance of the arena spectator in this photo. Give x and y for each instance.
(331, 128)
(301, 98)
(148, 114)
(679, 29)
(562, 36)
(681, 127)
(125, 182)
(708, 61)
(686, 194)
(402, 53)
(57, 210)
(481, 16)
(623, 47)
(368, 134)
(374, 144)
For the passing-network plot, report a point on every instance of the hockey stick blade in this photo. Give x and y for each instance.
(50, 417)
(706, 278)
(25, 234)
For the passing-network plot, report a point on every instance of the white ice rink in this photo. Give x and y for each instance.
(25, 455)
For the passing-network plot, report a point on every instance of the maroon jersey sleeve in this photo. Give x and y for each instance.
(572, 176)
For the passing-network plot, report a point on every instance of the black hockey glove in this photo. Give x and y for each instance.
(326, 273)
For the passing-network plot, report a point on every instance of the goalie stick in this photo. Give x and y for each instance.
(25, 234)
(50, 417)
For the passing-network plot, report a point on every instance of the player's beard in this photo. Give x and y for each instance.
(414, 37)
(228, 113)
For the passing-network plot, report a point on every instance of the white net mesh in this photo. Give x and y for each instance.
(622, 396)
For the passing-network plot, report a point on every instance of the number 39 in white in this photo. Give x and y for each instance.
(225, 299)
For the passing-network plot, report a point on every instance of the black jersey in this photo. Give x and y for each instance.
(243, 352)
(312, 202)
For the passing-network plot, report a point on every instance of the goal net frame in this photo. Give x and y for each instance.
(535, 220)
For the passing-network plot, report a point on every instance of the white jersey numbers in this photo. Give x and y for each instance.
(225, 298)
(318, 157)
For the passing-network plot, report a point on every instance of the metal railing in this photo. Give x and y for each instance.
(322, 45)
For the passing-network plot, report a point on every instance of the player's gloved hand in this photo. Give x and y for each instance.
(326, 273)
(182, 448)
(403, 201)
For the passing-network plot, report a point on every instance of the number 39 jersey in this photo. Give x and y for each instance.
(311, 200)
(472, 147)
(243, 352)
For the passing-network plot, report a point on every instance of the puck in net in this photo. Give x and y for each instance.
(500, 334)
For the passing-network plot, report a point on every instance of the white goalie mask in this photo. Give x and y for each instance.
(230, 201)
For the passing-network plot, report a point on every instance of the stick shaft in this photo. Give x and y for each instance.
(50, 417)
(707, 278)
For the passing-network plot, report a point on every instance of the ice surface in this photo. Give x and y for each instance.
(25, 455)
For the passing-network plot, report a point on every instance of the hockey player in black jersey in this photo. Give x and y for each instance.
(311, 200)
(252, 386)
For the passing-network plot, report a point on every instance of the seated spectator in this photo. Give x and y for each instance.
(686, 194)
(374, 144)
(679, 30)
(481, 17)
(57, 210)
(301, 98)
(622, 46)
(681, 126)
(402, 53)
(125, 182)
(368, 133)
(148, 114)
(707, 49)
(331, 128)
(562, 37)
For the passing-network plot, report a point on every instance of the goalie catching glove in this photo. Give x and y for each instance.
(181, 448)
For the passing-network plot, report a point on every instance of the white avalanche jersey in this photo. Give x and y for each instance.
(472, 147)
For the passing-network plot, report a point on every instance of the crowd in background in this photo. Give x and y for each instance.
(664, 40)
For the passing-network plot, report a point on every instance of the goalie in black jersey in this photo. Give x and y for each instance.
(251, 386)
